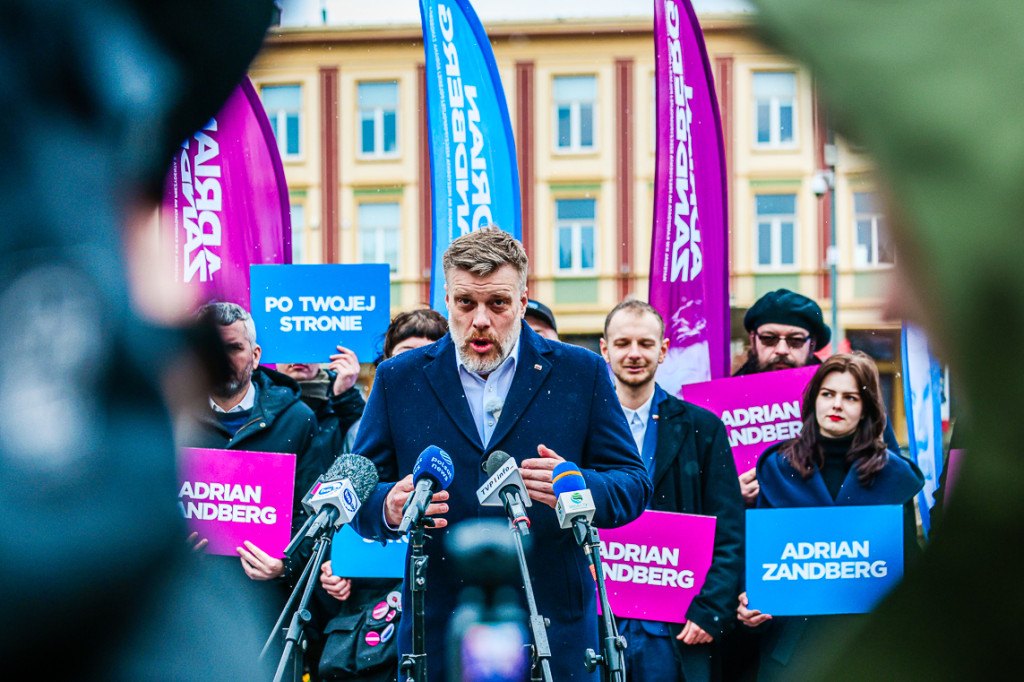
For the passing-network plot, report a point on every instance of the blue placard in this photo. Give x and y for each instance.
(474, 174)
(304, 312)
(818, 560)
(353, 556)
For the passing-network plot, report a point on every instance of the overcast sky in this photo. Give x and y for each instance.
(379, 12)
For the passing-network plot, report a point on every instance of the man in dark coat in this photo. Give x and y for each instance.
(687, 453)
(256, 409)
(493, 384)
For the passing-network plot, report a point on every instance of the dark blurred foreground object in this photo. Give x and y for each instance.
(931, 90)
(95, 581)
(488, 641)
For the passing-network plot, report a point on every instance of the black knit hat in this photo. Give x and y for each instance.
(783, 306)
(538, 309)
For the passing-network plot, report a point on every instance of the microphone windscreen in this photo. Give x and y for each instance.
(566, 478)
(360, 472)
(434, 463)
(494, 462)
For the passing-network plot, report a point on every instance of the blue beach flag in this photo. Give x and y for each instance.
(473, 174)
(922, 395)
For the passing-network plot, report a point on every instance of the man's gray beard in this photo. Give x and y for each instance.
(474, 362)
(233, 387)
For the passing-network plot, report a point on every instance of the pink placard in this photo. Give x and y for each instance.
(228, 496)
(758, 410)
(656, 565)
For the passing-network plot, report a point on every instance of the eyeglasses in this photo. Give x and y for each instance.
(793, 341)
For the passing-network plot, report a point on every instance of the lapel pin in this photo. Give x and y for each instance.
(537, 367)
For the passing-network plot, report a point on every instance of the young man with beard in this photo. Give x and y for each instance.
(494, 384)
(687, 455)
(255, 409)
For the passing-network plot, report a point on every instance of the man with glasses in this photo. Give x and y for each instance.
(785, 329)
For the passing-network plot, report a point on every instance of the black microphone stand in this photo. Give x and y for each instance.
(301, 616)
(611, 658)
(414, 665)
(538, 623)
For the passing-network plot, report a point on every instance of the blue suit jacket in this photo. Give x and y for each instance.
(561, 396)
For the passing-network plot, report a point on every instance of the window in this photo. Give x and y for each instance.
(298, 233)
(378, 120)
(775, 109)
(379, 230)
(873, 246)
(575, 233)
(776, 231)
(283, 104)
(575, 97)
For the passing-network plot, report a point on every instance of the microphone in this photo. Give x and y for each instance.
(432, 473)
(505, 487)
(575, 502)
(335, 497)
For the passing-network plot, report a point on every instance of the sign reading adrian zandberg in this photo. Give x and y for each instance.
(228, 496)
(758, 410)
(819, 560)
(656, 565)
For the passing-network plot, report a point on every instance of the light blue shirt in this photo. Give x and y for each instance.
(486, 397)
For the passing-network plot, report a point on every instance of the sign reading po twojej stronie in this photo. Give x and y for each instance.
(304, 312)
(229, 496)
(656, 565)
(820, 560)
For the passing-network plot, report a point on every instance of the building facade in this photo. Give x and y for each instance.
(348, 106)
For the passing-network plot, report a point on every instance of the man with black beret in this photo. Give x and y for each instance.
(785, 329)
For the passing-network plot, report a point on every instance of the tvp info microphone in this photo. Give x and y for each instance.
(505, 487)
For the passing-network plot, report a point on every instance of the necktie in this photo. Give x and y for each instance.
(636, 425)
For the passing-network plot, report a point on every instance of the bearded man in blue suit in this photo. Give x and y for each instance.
(494, 384)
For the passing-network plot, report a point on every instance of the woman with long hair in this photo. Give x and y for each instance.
(839, 459)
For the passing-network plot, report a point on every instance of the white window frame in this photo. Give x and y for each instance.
(774, 107)
(860, 263)
(576, 225)
(378, 126)
(298, 232)
(775, 221)
(574, 118)
(279, 119)
(379, 233)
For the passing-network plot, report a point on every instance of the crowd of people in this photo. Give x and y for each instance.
(482, 380)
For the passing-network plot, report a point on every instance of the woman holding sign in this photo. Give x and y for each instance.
(839, 459)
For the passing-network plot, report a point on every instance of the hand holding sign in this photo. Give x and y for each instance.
(749, 488)
(694, 634)
(346, 365)
(336, 586)
(259, 565)
(750, 617)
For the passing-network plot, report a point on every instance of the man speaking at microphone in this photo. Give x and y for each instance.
(494, 384)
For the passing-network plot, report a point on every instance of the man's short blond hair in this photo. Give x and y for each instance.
(484, 251)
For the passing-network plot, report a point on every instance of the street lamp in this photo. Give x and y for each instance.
(824, 182)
